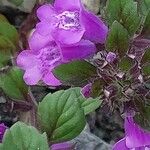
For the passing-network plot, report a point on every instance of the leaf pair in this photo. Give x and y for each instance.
(62, 114)
(124, 20)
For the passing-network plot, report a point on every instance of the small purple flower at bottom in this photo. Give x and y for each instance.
(2, 131)
(110, 57)
(68, 22)
(62, 146)
(86, 90)
(135, 138)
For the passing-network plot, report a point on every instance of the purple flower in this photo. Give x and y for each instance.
(136, 138)
(44, 55)
(62, 146)
(110, 57)
(68, 22)
(2, 131)
(38, 65)
(86, 90)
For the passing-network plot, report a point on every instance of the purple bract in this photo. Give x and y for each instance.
(110, 57)
(68, 22)
(136, 138)
(86, 90)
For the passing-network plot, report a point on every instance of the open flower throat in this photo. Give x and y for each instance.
(68, 20)
(49, 57)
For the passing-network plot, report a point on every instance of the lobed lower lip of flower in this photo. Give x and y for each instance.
(49, 57)
(68, 20)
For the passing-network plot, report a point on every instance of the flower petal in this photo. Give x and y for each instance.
(68, 36)
(26, 60)
(37, 41)
(32, 76)
(86, 90)
(135, 135)
(96, 30)
(121, 145)
(50, 79)
(80, 50)
(46, 12)
(62, 5)
(3, 128)
(44, 28)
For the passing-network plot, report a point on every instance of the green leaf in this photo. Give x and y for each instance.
(9, 32)
(130, 17)
(61, 116)
(23, 137)
(6, 49)
(13, 85)
(90, 104)
(146, 69)
(118, 39)
(114, 10)
(146, 57)
(125, 12)
(75, 73)
(16, 2)
(126, 64)
(3, 18)
(146, 27)
(6, 44)
(144, 6)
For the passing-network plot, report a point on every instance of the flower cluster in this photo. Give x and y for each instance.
(65, 33)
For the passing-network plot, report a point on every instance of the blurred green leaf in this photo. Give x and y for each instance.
(13, 85)
(146, 28)
(144, 6)
(3, 18)
(146, 57)
(9, 32)
(5, 43)
(146, 69)
(114, 10)
(6, 49)
(130, 17)
(16, 2)
(118, 39)
(23, 137)
(61, 115)
(125, 12)
(75, 73)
